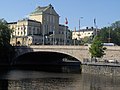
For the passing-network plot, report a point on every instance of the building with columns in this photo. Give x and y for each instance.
(41, 27)
(26, 32)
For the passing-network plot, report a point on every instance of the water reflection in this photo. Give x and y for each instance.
(3, 84)
(36, 80)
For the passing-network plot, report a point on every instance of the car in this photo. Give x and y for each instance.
(112, 61)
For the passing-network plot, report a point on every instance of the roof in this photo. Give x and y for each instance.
(12, 23)
(40, 10)
(87, 29)
(27, 19)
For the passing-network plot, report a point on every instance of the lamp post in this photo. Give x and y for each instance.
(43, 32)
(80, 26)
(65, 36)
(53, 35)
(95, 26)
(65, 32)
(109, 37)
(80, 22)
(46, 40)
(43, 37)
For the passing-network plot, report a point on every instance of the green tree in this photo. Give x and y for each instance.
(104, 34)
(6, 50)
(85, 40)
(112, 32)
(97, 49)
(116, 24)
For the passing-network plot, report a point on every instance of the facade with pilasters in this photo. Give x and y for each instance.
(41, 27)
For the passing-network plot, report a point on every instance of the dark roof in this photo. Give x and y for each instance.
(27, 19)
(63, 25)
(85, 30)
(12, 23)
(40, 9)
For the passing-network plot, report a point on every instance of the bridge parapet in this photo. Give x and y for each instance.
(79, 52)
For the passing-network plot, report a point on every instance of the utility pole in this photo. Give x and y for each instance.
(80, 26)
(65, 36)
(80, 22)
(75, 36)
(43, 28)
(109, 36)
(65, 32)
(53, 28)
(95, 26)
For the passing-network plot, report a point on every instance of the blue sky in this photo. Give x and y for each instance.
(105, 11)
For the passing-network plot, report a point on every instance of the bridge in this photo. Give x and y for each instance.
(78, 52)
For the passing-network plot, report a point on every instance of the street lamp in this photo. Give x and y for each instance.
(109, 34)
(95, 26)
(80, 22)
(43, 28)
(53, 35)
(80, 26)
(65, 31)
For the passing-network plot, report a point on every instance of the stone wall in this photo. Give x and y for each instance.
(109, 70)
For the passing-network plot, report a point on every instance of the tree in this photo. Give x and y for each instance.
(86, 39)
(6, 50)
(104, 34)
(97, 49)
(112, 32)
(116, 24)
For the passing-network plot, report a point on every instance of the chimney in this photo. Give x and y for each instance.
(92, 28)
(86, 28)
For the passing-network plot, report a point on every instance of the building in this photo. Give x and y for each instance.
(80, 34)
(26, 32)
(41, 27)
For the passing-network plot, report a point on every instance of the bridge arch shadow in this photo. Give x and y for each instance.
(46, 58)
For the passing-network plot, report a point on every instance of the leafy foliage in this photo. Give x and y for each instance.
(113, 31)
(97, 49)
(6, 50)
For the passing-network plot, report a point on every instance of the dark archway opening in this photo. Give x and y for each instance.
(48, 61)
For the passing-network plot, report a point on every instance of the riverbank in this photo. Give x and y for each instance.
(108, 69)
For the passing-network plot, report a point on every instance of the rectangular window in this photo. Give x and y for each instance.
(18, 33)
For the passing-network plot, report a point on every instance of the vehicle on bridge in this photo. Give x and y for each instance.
(112, 61)
(109, 44)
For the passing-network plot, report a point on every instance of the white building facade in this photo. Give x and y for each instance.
(80, 34)
(41, 27)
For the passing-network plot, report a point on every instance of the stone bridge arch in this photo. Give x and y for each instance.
(77, 52)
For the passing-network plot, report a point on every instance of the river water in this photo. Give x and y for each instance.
(40, 80)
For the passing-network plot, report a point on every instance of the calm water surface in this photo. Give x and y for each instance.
(38, 80)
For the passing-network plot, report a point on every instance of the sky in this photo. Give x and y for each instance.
(105, 12)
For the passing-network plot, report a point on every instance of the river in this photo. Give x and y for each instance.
(40, 80)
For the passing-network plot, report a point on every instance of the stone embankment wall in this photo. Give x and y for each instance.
(108, 70)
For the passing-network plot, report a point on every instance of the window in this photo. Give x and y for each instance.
(18, 33)
(29, 28)
(30, 32)
(34, 30)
